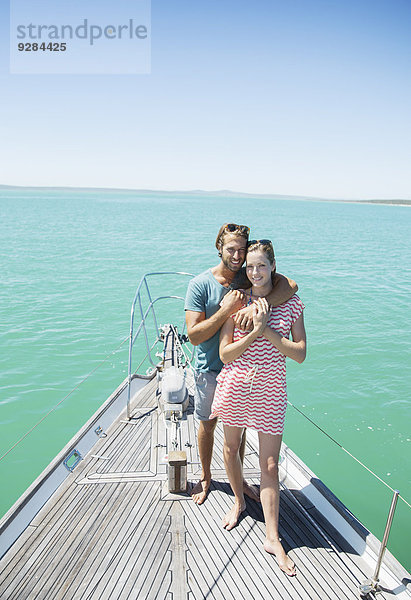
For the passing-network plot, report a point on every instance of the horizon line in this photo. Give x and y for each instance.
(220, 192)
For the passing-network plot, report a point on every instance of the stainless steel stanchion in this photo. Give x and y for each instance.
(371, 585)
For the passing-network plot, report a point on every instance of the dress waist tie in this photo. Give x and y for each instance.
(250, 376)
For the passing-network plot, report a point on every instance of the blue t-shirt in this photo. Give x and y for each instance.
(204, 294)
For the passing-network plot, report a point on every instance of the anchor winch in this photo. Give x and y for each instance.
(173, 399)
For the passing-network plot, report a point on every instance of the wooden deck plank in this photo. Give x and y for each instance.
(133, 447)
(314, 552)
(141, 563)
(138, 555)
(164, 590)
(58, 560)
(146, 397)
(257, 514)
(109, 549)
(225, 573)
(105, 445)
(345, 562)
(106, 543)
(234, 545)
(310, 571)
(217, 573)
(245, 546)
(122, 540)
(28, 564)
(326, 559)
(159, 558)
(178, 551)
(64, 516)
(311, 567)
(128, 447)
(8, 561)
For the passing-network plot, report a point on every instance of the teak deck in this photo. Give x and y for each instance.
(113, 531)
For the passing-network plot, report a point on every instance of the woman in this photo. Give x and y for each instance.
(251, 390)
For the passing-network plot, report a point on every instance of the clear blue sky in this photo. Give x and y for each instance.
(286, 97)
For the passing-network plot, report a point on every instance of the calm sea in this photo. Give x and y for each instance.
(70, 262)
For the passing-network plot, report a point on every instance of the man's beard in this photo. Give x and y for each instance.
(231, 267)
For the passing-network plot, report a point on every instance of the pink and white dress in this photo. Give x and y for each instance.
(251, 390)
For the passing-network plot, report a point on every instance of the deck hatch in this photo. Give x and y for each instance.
(72, 460)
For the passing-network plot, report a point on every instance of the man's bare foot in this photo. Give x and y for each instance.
(284, 562)
(251, 491)
(200, 490)
(230, 520)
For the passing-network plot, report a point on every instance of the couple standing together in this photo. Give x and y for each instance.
(242, 334)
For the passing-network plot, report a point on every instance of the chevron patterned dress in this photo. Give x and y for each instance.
(251, 390)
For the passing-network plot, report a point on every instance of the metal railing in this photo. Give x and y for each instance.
(371, 586)
(145, 311)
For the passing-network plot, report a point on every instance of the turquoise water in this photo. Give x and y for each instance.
(70, 263)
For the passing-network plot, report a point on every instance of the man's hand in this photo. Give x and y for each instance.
(243, 319)
(200, 329)
(233, 301)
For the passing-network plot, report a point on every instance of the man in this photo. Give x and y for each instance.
(205, 315)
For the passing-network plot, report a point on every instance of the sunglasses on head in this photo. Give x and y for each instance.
(263, 242)
(231, 227)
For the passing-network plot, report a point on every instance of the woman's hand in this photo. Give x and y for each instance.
(243, 318)
(295, 349)
(261, 314)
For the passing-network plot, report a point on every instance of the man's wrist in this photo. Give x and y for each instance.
(225, 311)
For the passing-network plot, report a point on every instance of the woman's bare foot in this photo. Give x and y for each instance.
(200, 490)
(284, 562)
(251, 491)
(230, 520)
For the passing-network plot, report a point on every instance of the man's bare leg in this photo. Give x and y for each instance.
(205, 449)
(248, 490)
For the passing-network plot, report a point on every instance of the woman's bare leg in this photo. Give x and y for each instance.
(270, 498)
(249, 489)
(234, 468)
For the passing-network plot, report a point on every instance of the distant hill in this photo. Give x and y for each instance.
(207, 193)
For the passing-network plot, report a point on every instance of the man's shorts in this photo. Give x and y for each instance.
(205, 384)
